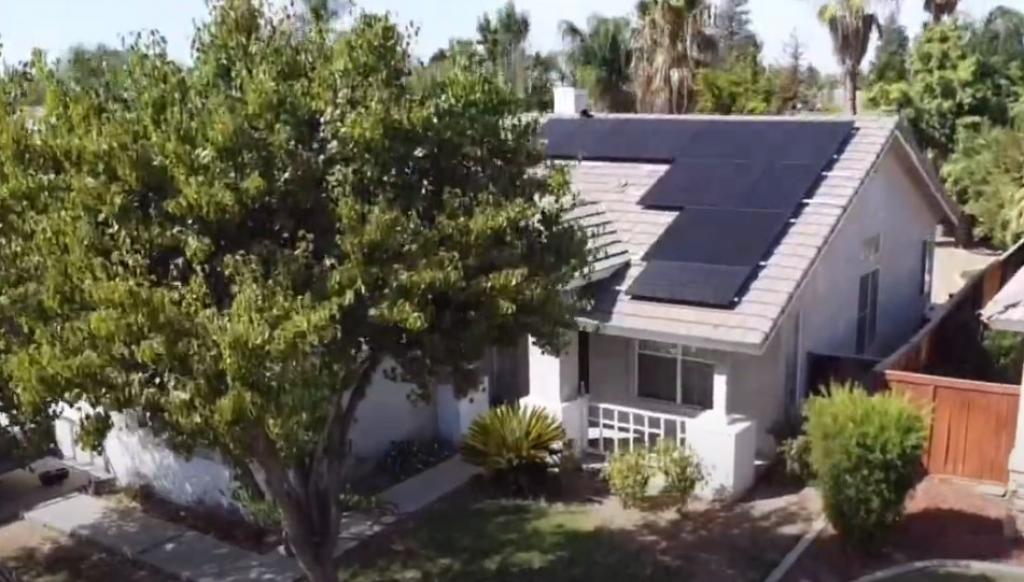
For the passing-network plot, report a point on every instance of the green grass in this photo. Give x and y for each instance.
(474, 540)
(507, 540)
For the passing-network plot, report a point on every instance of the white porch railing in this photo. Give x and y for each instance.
(611, 428)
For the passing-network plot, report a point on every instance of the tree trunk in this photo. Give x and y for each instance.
(852, 76)
(308, 491)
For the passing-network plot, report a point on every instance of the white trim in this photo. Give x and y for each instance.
(822, 249)
(934, 187)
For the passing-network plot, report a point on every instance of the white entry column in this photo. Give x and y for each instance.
(554, 385)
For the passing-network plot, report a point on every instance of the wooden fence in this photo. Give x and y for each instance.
(946, 369)
(972, 424)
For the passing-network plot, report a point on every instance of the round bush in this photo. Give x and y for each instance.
(866, 455)
(628, 474)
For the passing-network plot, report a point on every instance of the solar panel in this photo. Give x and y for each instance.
(712, 285)
(661, 140)
(713, 236)
(735, 183)
(618, 139)
(706, 183)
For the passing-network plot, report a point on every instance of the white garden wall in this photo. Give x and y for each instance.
(136, 457)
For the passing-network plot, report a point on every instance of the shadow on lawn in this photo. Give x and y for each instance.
(472, 538)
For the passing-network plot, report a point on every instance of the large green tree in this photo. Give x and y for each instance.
(892, 55)
(233, 247)
(732, 28)
(792, 90)
(950, 84)
(986, 174)
(503, 40)
(741, 85)
(672, 41)
(600, 58)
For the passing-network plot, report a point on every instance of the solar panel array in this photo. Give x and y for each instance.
(736, 185)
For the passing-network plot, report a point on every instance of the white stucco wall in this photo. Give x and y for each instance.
(136, 457)
(892, 204)
(388, 414)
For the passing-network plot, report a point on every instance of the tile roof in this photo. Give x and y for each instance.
(604, 243)
(617, 188)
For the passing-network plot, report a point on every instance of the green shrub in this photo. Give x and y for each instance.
(866, 455)
(796, 457)
(629, 474)
(258, 508)
(681, 469)
(514, 445)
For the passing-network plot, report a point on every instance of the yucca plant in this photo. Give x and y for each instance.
(514, 445)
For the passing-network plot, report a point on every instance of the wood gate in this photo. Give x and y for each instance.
(973, 424)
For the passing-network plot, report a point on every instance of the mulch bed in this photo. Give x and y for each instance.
(212, 521)
(945, 520)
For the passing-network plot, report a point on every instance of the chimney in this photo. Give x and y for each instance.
(569, 101)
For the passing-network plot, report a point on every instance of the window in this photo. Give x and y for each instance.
(664, 374)
(927, 266)
(867, 311)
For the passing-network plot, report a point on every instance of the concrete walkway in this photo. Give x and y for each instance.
(407, 497)
(196, 557)
(183, 553)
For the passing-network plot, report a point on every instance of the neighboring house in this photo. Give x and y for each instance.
(724, 265)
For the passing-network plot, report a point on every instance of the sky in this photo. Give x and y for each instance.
(55, 25)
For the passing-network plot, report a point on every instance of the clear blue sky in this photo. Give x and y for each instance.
(54, 25)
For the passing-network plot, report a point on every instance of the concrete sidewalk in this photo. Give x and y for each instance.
(407, 497)
(196, 557)
(183, 553)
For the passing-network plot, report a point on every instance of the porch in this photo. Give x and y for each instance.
(615, 393)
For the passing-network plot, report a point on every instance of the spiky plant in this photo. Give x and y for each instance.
(671, 41)
(513, 444)
(850, 24)
(600, 57)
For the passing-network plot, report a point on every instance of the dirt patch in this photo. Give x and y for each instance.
(945, 520)
(37, 554)
(212, 521)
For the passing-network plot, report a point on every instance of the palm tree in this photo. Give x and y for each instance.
(850, 23)
(671, 41)
(940, 8)
(599, 60)
(503, 40)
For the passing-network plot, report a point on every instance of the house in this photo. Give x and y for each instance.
(701, 343)
(729, 248)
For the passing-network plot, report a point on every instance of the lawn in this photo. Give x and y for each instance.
(471, 536)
